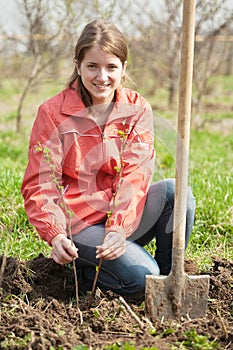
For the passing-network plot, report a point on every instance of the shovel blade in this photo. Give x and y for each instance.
(161, 304)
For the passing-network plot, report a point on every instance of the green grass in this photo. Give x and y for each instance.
(17, 237)
(9, 88)
(217, 115)
(220, 90)
(10, 92)
(211, 179)
(209, 176)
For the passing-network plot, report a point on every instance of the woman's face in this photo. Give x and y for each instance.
(101, 74)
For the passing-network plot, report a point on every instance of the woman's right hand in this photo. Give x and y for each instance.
(64, 250)
(113, 247)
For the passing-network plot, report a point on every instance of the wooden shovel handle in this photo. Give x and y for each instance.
(183, 130)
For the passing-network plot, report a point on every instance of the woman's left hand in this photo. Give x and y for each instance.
(113, 247)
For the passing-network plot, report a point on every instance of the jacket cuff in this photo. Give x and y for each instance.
(118, 229)
(50, 234)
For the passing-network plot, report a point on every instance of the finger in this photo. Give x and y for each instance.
(66, 247)
(111, 253)
(56, 258)
(110, 246)
(71, 250)
(66, 257)
(62, 255)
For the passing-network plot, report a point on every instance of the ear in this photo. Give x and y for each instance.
(77, 66)
(124, 68)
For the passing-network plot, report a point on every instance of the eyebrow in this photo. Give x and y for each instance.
(92, 62)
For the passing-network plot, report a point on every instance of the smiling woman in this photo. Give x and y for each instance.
(91, 154)
(100, 61)
(101, 74)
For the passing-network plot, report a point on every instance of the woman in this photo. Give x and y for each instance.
(91, 162)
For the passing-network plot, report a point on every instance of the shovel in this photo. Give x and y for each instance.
(178, 295)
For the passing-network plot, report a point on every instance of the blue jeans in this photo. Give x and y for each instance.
(127, 274)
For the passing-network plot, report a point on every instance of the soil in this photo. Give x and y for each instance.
(39, 311)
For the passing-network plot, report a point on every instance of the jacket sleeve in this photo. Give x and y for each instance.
(42, 179)
(135, 176)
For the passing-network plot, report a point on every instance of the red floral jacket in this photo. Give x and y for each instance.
(75, 166)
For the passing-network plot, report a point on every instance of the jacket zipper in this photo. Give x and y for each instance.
(103, 147)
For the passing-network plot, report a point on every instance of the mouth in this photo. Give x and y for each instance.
(101, 86)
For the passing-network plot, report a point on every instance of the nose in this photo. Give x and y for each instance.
(102, 74)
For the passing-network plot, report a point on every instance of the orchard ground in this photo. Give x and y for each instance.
(38, 305)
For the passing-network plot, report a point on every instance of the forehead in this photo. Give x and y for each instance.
(96, 54)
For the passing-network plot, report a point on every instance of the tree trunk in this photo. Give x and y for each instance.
(32, 76)
(229, 61)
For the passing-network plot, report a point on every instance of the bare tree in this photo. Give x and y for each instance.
(212, 20)
(229, 61)
(49, 30)
(46, 31)
(157, 46)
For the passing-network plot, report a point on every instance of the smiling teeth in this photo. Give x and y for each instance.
(101, 85)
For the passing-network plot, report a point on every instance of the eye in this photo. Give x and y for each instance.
(112, 66)
(92, 66)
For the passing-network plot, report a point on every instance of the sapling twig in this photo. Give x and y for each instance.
(68, 212)
(132, 313)
(123, 137)
(98, 268)
(2, 268)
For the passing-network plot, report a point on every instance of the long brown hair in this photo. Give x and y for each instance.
(108, 38)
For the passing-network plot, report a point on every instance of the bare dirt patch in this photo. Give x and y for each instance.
(38, 311)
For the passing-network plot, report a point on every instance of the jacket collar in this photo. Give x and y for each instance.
(73, 104)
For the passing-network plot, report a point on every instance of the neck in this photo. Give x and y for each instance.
(103, 109)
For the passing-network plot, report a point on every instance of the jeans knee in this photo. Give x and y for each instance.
(170, 195)
(191, 203)
(170, 191)
(137, 288)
